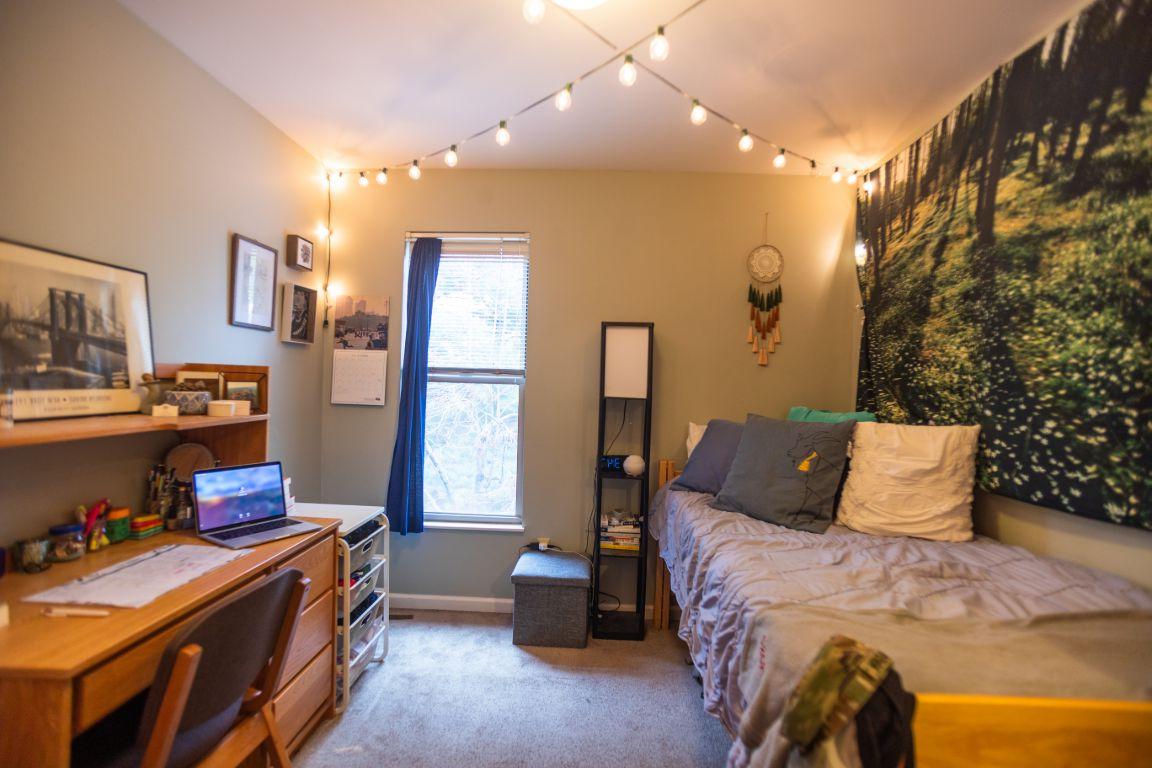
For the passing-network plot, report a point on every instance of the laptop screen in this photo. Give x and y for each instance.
(236, 495)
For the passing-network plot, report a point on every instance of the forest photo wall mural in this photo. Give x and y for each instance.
(1008, 271)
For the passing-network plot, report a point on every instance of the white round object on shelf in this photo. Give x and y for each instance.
(634, 466)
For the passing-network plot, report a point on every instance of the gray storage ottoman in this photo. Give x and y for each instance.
(551, 606)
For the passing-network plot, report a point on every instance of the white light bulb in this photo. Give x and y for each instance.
(564, 99)
(868, 186)
(780, 160)
(382, 177)
(836, 175)
(861, 254)
(628, 72)
(745, 144)
(414, 170)
(698, 115)
(658, 48)
(852, 177)
(502, 135)
(451, 158)
(533, 11)
(326, 181)
(322, 231)
(340, 180)
(363, 180)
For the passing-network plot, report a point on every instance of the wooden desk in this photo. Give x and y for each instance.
(59, 676)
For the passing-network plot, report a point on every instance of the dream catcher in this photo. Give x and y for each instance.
(765, 264)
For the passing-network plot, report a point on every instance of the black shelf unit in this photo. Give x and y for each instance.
(622, 624)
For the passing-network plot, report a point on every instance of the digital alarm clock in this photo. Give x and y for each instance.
(612, 463)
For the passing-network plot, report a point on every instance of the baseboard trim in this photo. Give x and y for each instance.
(450, 603)
(469, 603)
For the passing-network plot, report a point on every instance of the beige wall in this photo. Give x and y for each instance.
(116, 147)
(669, 248)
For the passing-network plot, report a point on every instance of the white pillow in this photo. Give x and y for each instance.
(911, 481)
(695, 432)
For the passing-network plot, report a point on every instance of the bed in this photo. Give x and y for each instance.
(1015, 659)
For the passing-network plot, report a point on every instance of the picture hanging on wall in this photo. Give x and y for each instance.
(765, 266)
(299, 252)
(298, 314)
(361, 322)
(75, 334)
(1007, 277)
(253, 284)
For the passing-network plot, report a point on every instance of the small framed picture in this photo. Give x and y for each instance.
(210, 379)
(298, 314)
(253, 284)
(250, 386)
(299, 252)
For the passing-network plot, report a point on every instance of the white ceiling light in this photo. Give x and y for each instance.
(533, 11)
(382, 176)
(698, 115)
(451, 158)
(628, 72)
(836, 175)
(564, 99)
(658, 48)
(745, 144)
(502, 134)
(780, 160)
(414, 170)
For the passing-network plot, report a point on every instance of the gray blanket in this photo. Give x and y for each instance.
(978, 617)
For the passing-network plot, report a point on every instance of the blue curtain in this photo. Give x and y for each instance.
(406, 481)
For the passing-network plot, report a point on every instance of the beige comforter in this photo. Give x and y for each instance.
(976, 617)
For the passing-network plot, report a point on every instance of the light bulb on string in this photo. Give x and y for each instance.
(852, 177)
(533, 11)
(698, 115)
(780, 160)
(868, 186)
(812, 167)
(414, 172)
(564, 98)
(745, 144)
(627, 72)
(450, 157)
(861, 254)
(339, 184)
(382, 177)
(363, 180)
(658, 49)
(322, 231)
(836, 175)
(502, 135)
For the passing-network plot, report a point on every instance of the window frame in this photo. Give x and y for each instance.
(463, 375)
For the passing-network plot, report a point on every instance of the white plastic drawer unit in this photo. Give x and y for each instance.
(361, 590)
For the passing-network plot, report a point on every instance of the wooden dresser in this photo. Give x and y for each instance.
(59, 676)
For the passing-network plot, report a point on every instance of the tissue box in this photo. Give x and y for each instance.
(189, 403)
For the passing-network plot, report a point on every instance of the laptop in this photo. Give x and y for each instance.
(243, 506)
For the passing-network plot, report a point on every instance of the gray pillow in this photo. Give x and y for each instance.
(787, 472)
(711, 458)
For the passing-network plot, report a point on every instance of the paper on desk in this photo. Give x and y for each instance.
(140, 580)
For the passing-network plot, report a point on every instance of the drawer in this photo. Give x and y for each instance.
(313, 632)
(318, 563)
(307, 693)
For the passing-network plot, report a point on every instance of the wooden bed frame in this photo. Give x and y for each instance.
(969, 731)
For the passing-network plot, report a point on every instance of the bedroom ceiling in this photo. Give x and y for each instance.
(361, 83)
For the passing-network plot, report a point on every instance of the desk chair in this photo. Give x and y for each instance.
(211, 701)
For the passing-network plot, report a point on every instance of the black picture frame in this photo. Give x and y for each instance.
(253, 284)
(94, 324)
(300, 253)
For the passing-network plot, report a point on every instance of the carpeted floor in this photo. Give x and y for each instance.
(454, 691)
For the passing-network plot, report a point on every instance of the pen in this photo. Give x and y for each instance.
(90, 613)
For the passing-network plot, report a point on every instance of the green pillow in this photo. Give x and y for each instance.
(800, 413)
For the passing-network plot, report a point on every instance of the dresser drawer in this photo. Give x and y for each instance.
(313, 632)
(301, 698)
(318, 563)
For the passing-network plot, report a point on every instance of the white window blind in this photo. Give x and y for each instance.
(480, 312)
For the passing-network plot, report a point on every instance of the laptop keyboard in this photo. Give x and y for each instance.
(271, 525)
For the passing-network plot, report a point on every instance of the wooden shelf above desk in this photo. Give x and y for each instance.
(93, 427)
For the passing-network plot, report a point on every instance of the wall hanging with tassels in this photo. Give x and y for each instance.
(765, 264)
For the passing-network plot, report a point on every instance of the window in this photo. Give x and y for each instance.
(476, 368)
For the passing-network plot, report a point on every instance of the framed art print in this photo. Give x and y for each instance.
(299, 252)
(298, 314)
(75, 336)
(253, 284)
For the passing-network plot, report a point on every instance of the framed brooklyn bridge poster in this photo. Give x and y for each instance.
(75, 334)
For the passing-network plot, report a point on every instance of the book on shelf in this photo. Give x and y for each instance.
(620, 528)
(620, 547)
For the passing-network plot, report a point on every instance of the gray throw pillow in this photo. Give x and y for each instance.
(711, 459)
(787, 472)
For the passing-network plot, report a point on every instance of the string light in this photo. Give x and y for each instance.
(745, 144)
(340, 180)
(780, 160)
(450, 157)
(382, 177)
(363, 180)
(698, 115)
(852, 177)
(326, 182)
(322, 231)
(658, 49)
(628, 72)
(868, 186)
(414, 172)
(564, 98)
(533, 11)
(502, 135)
(836, 175)
(861, 254)
(812, 165)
